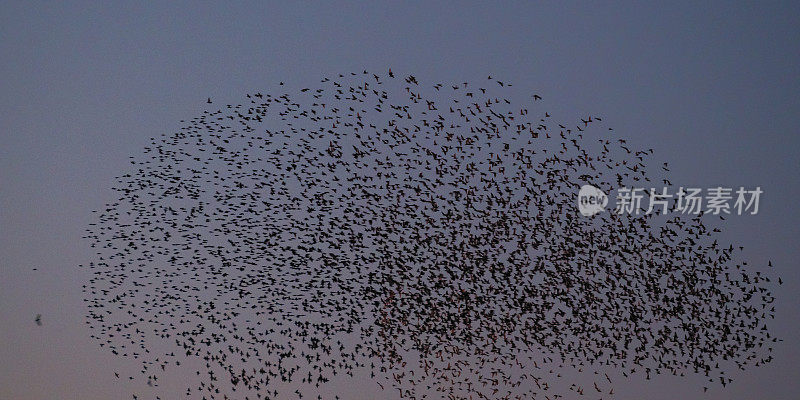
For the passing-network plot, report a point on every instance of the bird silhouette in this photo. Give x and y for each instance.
(428, 236)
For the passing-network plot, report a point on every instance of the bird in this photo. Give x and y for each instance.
(38, 319)
(384, 223)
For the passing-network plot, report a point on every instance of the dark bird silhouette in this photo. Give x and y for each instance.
(426, 236)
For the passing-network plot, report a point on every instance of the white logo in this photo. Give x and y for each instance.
(591, 200)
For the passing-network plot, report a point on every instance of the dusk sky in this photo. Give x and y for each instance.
(712, 87)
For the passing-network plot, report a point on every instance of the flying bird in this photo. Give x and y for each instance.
(428, 237)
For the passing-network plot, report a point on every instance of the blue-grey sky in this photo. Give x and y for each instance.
(711, 86)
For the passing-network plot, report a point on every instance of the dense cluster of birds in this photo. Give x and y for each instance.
(426, 235)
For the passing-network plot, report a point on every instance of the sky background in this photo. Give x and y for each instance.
(712, 87)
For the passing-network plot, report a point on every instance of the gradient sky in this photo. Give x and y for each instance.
(712, 87)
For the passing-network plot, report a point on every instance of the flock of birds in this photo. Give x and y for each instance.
(425, 235)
